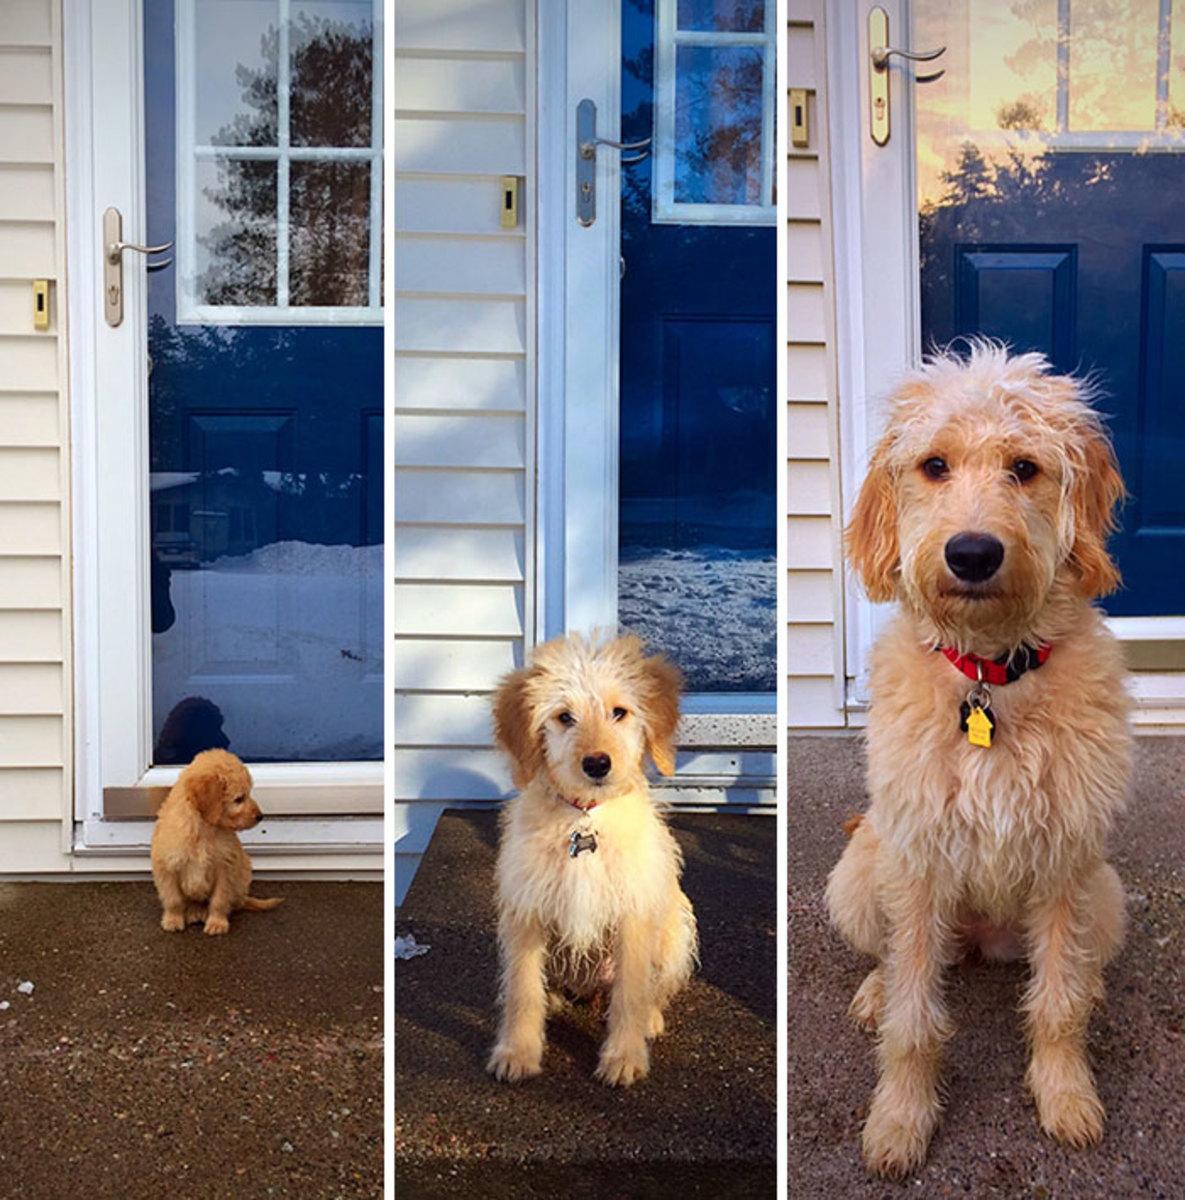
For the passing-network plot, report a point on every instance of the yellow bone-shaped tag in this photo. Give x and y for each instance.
(979, 728)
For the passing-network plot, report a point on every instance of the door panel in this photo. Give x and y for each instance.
(1050, 216)
(265, 381)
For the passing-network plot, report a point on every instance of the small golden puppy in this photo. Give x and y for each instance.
(998, 745)
(588, 872)
(201, 871)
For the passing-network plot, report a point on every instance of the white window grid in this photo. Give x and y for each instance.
(189, 152)
(665, 209)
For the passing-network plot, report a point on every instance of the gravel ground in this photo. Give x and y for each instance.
(988, 1144)
(701, 1125)
(146, 1064)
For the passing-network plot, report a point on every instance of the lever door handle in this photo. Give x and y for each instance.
(880, 54)
(113, 248)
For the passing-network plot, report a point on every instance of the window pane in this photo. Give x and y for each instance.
(332, 57)
(744, 16)
(718, 106)
(235, 72)
(1113, 64)
(329, 222)
(235, 219)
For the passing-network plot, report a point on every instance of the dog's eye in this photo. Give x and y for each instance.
(935, 468)
(1023, 470)
(620, 714)
(566, 718)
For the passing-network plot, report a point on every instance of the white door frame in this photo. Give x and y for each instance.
(577, 339)
(109, 436)
(877, 287)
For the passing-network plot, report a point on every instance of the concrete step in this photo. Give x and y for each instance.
(989, 1143)
(702, 1124)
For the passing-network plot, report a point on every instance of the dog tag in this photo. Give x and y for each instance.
(977, 723)
(579, 842)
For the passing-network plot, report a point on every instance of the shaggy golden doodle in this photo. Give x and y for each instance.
(201, 871)
(998, 748)
(588, 872)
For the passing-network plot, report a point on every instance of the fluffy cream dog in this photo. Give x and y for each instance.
(201, 871)
(588, 872)
(985, 514)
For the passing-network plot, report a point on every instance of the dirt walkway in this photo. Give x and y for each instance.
(146, 1064)
(988, 1144)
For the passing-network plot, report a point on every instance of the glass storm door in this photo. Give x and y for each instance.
(239, 430)
(697, 489)
(1049, 184)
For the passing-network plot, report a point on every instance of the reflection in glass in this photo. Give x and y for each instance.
(236, 102)
(719, 16)
(697, 507)
(1050, 217)
(718, 107)
(331, 49)
(265, 444)
(329, 228)
(235, 222)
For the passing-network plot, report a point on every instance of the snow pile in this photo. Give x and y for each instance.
(712, 610)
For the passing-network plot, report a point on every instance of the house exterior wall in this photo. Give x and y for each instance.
(464, 403)
(35, 635)
(815, 600)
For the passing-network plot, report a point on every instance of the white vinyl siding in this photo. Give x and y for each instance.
(35, 671)
(815, 662)
(463, 400)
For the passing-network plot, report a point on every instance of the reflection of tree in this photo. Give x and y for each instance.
(329, 241)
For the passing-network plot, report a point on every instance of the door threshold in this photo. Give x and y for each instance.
(274, 836)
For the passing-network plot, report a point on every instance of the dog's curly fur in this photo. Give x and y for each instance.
(1000, 847)
(616, 917)
(201, 871)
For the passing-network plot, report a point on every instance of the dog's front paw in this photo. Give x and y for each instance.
(1068, 1106)
(1075, 1118)
(896, 1136)
(657, 1024)
(216, 925)
(624, 1064)
(512, 1063)
(172, 922)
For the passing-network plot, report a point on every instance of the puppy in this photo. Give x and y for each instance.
(588, 872)
(998, 746)
(201, 871)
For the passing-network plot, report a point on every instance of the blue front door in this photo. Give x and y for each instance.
(1051, 177)
(263, 143)
(697, 569)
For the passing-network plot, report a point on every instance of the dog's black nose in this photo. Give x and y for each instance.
(974, 557)
(596, 766)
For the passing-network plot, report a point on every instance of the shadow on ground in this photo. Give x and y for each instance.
(701, 1125)
(146, 1064)
(989, 1144)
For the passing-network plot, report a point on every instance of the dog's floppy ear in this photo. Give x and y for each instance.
(514, 727)
(663, 683)
(205, 789)
(1097, 489)
(871, 535)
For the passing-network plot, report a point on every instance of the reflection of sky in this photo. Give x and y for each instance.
(229, 33)
(1004, 55)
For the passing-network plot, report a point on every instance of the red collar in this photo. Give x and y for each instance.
(1005, 669)
(582, 807)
